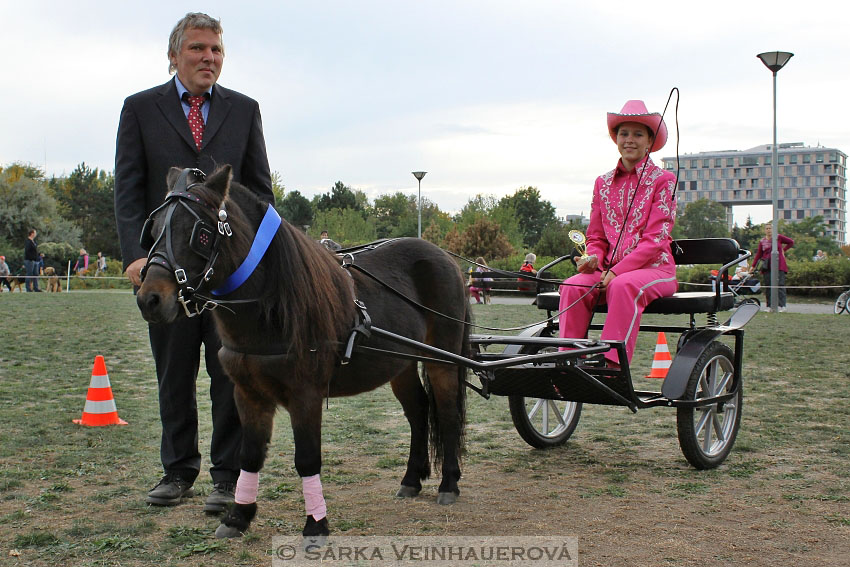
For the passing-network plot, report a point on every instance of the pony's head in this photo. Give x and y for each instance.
(296, 299)
(189, 238)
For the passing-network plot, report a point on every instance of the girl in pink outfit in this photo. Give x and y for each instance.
(629, 235)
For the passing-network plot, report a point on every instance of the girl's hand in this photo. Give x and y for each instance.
(587, 265)
(607, 276)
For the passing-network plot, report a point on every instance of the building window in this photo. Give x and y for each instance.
(818, 158)
(807, 158)
(730, 162)
(792, 159)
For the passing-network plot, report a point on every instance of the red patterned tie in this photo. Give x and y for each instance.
(196, 119)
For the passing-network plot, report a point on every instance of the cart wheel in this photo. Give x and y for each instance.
(841, 303)
(706, 434)
(544, 423)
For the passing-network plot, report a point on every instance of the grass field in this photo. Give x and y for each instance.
(72, 495)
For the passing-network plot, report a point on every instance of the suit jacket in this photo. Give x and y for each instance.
(154, 136)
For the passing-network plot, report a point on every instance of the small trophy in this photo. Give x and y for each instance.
(580, 241)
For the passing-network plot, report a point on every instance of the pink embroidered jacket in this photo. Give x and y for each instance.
(647, 235)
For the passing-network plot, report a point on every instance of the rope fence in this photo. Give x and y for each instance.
(69, 276)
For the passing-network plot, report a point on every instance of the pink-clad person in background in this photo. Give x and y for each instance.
(635, 199)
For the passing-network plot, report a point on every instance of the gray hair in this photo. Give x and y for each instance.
(192, 20)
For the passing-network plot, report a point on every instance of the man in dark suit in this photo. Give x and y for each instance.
(190, 121)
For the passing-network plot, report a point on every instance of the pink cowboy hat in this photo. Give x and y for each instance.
(635, 111)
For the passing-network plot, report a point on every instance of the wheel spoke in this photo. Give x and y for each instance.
(533, 411)
(545, 425)
(706, 444)
(718, 427)
(703, 418)
(554, 407)
(721, 385)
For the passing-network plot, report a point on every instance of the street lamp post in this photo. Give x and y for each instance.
(774, 60)
(419, 175)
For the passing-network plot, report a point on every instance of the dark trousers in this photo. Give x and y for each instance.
(768, 292)
(176, 350)
(32, 271)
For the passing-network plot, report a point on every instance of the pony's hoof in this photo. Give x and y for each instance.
(407, 492)
(224, 531)
(312, 543)
(446, 498)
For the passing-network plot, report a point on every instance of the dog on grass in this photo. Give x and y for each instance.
(53, 284)
(16, 282)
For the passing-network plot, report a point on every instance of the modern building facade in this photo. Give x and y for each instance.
(812, 181)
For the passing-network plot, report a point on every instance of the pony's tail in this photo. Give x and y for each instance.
(434, 431)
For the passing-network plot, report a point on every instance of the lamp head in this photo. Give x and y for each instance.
(419, 174)
(775, 60)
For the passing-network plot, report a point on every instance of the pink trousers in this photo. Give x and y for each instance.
(627, 296)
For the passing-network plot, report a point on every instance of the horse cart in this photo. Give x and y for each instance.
(296, 329)
(547, 387)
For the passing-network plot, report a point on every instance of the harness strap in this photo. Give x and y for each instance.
(362, 326)
(265, 234)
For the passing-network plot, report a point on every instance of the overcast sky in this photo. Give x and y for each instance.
(486, 96)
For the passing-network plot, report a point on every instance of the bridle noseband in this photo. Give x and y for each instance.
(204, 241)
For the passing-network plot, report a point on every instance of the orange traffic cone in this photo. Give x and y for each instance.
(100, 405)
(662, 360)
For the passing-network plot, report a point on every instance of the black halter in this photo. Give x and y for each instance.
(204, 241)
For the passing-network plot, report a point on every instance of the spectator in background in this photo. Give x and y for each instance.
(479, 288)
(325, 241)
(4, 274)
(101, 264)
(763, 255)
(821, 255)
(81, 266)
(527, 266)
(31, 261)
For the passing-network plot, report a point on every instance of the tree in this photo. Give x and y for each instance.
(346, 226)
(809, 236)
(555, 240)
(482, 238)
(747, 236)
(395, 215)
(278, 189)
(341, 197)
(702, 219)
(532, 213)
(296, 209)
(486, 206)
(86, 196)
(26, 203)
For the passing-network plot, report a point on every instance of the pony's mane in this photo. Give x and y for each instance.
(305, 297)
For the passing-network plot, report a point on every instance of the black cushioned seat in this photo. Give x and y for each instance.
(724, 251)
(678, 303)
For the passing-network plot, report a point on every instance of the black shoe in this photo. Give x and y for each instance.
(170, 491)
(222, 494)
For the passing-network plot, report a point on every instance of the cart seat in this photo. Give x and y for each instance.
(723, 251)
(682, 302)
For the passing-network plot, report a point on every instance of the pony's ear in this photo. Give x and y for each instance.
(220, 180)
(171, 179)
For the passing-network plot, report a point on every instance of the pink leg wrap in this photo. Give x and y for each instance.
(314, 500)
(246, 487)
